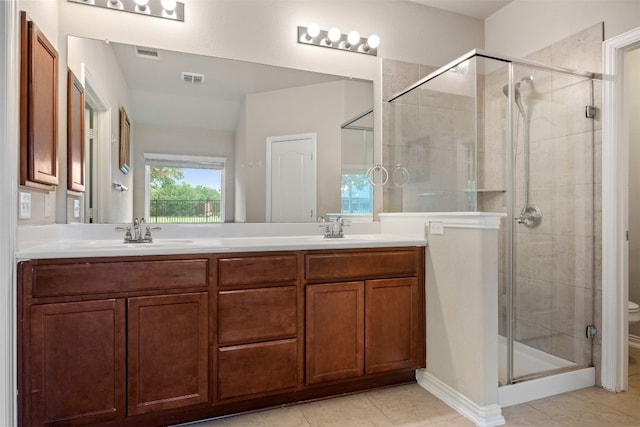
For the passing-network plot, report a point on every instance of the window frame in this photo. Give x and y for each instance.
(183, 161)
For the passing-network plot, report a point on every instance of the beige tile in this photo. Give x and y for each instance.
(410, 405)
(574, 410)
(457, 421)
(281, 417)
(525, 415)
(356, 410)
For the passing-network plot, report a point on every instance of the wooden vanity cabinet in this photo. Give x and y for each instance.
(258, 345)
(92, 353)
(363, 327)
(163, 340)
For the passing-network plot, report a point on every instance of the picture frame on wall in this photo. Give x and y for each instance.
(125, 141)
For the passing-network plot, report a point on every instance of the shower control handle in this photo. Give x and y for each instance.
(530, 217)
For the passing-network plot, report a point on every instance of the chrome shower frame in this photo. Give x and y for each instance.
(530, 215)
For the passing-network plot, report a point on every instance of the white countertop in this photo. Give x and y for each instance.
(82, 248)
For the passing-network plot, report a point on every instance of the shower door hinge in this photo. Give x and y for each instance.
(590, 112)
(591, 332)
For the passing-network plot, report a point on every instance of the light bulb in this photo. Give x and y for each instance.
(334, 34)
(141, 6)
(168, 5)
(353, 38)
(313, 31)
(373, 41)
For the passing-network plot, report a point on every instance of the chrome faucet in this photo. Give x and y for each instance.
(334, 229)
(137, 236)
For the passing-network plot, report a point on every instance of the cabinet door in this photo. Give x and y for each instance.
(75, 133)
(392, 324)
(334, 331)
(167, 352)
(77, 353)
(39, 108)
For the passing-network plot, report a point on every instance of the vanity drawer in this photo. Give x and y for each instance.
(361, 264)
(257, 314)
(61, 279)
(257, 270)
(255, 369)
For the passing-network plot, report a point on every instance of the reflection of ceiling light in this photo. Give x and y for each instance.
(170, 9)
(333, 38)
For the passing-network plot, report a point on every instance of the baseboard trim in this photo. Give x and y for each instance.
(482, 416)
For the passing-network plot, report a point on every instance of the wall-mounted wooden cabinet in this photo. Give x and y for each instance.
(38, 108)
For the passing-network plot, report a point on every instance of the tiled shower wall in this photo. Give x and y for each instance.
(558, 261)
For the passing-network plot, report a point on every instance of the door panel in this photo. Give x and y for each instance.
(291, 179)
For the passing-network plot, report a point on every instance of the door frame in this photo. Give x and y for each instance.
(615, 215)
(101, 168)
(10, 137)
(274, 139)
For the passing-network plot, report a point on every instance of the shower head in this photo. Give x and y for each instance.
(516, 92)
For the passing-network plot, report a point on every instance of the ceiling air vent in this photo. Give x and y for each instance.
(147, 52)
(194, 78)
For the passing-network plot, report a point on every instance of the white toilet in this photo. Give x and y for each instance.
(634, 312)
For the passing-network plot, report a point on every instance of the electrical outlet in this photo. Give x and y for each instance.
(436, 227)
(24, 210)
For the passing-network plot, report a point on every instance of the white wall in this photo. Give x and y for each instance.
(45, 14)
(184, 141)
(319, 109)
(525, 26)
(265, 31)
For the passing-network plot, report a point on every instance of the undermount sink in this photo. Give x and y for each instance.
(367, 237)
(114, 244)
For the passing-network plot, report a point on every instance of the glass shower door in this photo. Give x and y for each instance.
(552, 207)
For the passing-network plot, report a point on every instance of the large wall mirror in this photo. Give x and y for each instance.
(201, 125)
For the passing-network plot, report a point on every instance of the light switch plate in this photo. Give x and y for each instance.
(47, 206)
(24, 210)
(436, 227)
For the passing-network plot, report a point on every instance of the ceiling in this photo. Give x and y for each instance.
(479, 9)
(158, 96)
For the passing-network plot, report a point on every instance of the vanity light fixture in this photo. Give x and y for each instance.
(334, 39)
(168, 9)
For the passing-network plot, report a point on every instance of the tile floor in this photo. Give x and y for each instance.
(412, 406)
